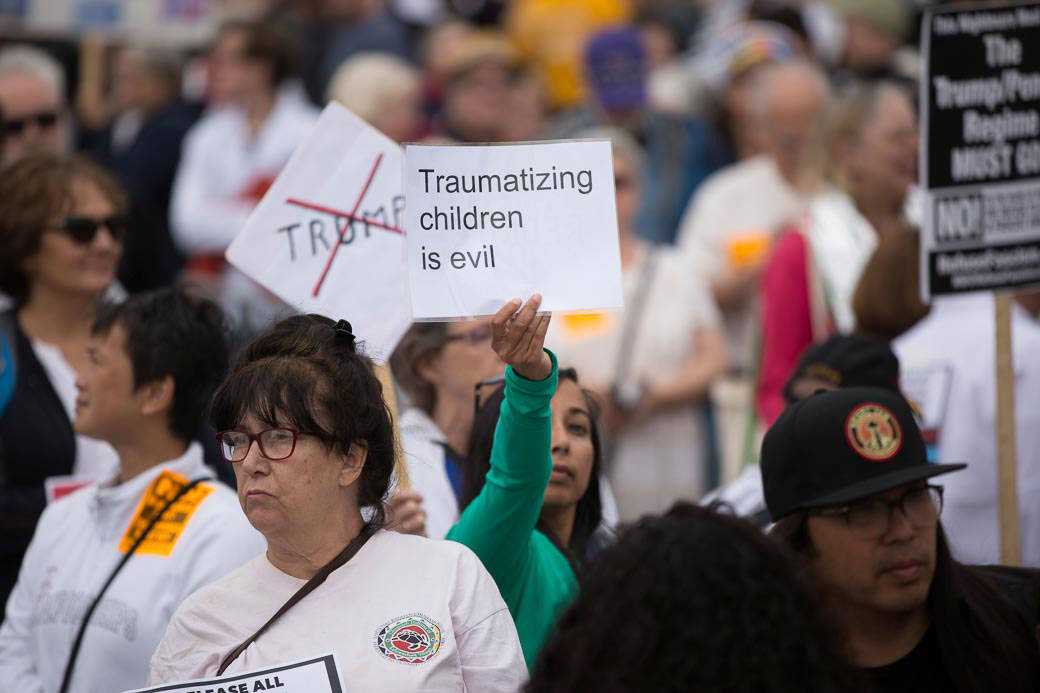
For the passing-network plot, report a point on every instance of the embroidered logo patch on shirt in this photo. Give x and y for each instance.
(413, 639)
(873, 432)
(163, 537)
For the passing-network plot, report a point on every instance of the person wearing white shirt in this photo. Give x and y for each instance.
(741, 206)
(153, 362)
(302, 419)
(437, 364)
(947, 361)
(651, 364)
(233, 154)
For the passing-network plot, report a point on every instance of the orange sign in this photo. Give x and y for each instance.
(581, 325)
(748, 249)
(168, 529)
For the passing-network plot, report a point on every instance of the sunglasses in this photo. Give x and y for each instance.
(83, 229)
(44, 120)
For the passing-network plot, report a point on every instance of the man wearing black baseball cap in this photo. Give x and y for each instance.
(846, 481)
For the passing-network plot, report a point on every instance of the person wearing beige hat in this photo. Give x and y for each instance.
(479, 79)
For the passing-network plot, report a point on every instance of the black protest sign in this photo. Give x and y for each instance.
(980, 106)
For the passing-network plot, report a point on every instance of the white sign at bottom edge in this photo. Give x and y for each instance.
(316, 675)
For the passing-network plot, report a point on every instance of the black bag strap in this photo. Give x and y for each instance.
(78, 642)
(341, 558)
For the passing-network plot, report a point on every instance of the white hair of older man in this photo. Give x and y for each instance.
(369, 82)
(25, 59)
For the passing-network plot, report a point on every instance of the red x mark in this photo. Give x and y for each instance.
(351, 216)
(338, 213)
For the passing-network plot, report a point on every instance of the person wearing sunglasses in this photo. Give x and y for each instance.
(302, 419)
(89, 607)
(61, 234)
(846, 480)
(437, 364)
(32, 98)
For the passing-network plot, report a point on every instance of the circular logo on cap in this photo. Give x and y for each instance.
(413, 639)
(873, 432)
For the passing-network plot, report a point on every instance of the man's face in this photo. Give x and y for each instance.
(888, 573)
(33, 116)
(107, 402)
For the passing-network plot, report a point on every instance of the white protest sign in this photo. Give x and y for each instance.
(318, 675)
(489, 223)
(327, 237)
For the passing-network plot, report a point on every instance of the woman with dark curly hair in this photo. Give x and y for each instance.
(693, 601)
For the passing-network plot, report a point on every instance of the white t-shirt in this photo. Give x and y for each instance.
(78, 542)
(947, 367)
(660, 460)
(436, 594)
(748, 197)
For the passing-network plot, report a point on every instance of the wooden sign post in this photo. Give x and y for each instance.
(1007, 457)
(980, 175)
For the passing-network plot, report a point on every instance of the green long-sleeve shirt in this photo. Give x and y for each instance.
(534, 577)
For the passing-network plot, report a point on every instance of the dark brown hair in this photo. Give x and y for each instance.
(268, 41)
(694, 601)
(171, 333)
(34, 192)
(887, 301)
(301, 373)
(423, 339)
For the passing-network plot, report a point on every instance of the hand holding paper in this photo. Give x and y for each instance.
(518, 338)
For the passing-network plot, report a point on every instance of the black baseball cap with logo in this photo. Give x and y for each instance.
(841, 445)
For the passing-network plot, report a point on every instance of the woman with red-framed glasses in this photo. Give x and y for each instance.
(302, 419)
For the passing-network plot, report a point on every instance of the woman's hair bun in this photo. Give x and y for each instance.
(345, 334)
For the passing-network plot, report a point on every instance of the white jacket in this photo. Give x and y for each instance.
(423, 445)
(78, 543)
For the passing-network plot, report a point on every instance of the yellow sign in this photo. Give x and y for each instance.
(748, 249)
(582, 325)
(164, 535)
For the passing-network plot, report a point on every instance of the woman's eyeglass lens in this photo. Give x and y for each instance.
(274, 443)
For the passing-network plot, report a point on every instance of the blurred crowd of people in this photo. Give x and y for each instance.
(765, 159)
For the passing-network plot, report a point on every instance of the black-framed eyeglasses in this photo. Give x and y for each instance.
(476, 336)
(84, 229)
(479, 387)
(274, 443)
(871, 518)
(44, 120)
